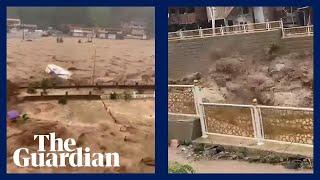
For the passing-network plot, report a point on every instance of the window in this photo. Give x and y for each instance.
(190, 10)
(182, 10)
(245, 10)
(172, 11)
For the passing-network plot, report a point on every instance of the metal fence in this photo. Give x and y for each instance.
(264, 123)
(287, 124)
(226, 30)
(259, 122)
(297, 31)
(242, 29)
(229, 119)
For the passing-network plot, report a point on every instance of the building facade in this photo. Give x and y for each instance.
(187, 18)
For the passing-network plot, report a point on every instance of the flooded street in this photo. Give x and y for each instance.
(228, 166)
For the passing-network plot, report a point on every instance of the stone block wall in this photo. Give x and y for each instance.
(281, 125)
(195, 55)
(181, 100)
(288, 125)
(229, 120)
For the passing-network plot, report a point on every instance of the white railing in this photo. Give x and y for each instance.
(242, 29)
(225, 30)
(259, 122)
(297, 31)
(263, 123)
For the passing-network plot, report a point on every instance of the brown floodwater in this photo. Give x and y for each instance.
(228, 166)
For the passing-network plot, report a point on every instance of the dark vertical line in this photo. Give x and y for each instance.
(161, 87)
(316, 65)
(3, 88)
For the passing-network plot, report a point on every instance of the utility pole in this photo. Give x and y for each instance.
(212, 15)
(94, 62)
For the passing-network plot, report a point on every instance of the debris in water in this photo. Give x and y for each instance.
(58, 71)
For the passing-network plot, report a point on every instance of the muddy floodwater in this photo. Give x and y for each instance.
(128, 60)
(126, 127)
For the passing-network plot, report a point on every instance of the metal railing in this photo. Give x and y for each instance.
(259, 122)
(264, 123)
(242, 29)
(225, 30)
(297, 31)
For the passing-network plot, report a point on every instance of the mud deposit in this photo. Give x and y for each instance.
(127, 127)
(227, 166)
(273, 78)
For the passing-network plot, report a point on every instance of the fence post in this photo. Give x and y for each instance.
(268, 26)
(221, 29)
(134, 94)
(213, 31)
(201, 32)
(308, 30)
(257, 120)
(180, 34)
(197, 91)
(282, 28)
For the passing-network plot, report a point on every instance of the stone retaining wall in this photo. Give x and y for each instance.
(181, 100)
(195, 55)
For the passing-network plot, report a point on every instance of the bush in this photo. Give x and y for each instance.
(25, 117)
(63, 100)
(45, 84)
(113, 95)
(127, 96)
(273, 48)
(178, 168)
(32, 88)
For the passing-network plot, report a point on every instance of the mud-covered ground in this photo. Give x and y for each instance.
(277, 79)
(183, 155)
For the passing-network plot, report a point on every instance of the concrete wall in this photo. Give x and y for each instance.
(297, 44)
(183, 128)
(195, 55)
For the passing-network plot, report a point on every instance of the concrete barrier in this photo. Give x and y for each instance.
(184, 128)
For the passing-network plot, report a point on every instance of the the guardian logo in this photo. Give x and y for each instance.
(63, 153)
